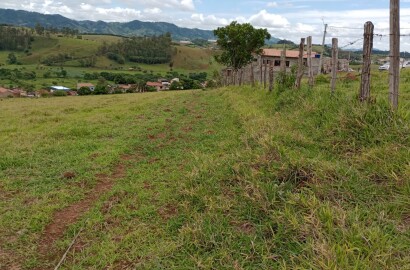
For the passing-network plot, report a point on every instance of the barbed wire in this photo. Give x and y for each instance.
(351, 43)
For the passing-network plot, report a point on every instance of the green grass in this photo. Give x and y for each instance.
(233, 178)
(186, 60)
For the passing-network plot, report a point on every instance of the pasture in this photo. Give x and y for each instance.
(232, 178)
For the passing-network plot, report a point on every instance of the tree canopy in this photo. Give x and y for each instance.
(147, 50)
(239, 42)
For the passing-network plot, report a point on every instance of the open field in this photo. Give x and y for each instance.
(187, 59)
(232, 178)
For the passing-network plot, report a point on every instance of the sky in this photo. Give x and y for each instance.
(285, 19)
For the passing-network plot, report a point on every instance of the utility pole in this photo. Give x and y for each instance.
(323, 50)
(394, 72)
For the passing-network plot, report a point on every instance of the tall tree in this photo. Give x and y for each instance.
(239, 42)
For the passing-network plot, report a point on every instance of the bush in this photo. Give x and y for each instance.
(286, 80)
(60, 93)
(321, 78)
(84, 91)
(100, 90)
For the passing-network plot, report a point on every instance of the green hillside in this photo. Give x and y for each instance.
(233, 178)
(132, 28)
(185, 60)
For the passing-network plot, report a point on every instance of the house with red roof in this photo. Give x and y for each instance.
(157, 85)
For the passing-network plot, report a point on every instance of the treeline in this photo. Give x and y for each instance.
(146, 50)
(190, 81)
(16, 74)
(66, 31)
(15, 39)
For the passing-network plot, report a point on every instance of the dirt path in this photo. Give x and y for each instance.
(71, 214)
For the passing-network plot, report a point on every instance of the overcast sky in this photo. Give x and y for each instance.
(285, 19)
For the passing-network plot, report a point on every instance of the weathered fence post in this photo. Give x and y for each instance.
(283, 59)
(264, 74)
(335, 60)
(309, 61)
(394, 72)
(300, 64)
(252, 76)
(240, 76)
(323, 50)
(364, 94)
(270, 76)
(261, 70)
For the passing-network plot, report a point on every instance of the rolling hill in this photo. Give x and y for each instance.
(133, 28)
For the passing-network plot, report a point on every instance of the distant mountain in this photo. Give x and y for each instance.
(133, 28)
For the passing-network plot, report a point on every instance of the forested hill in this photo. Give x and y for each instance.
(133, 28)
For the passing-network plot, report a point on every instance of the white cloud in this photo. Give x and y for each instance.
(152, 10)
(188, 4)
(86, 7)
(265, 19)
(272, 4)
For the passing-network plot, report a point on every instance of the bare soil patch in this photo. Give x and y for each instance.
(72, 213)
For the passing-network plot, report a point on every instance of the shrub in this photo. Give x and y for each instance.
(286, 80)
(322, 79)
(100, 90)
(84, 91)
(60, 93)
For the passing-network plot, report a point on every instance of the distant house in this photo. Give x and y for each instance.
(4, 92)
(18, 92)
(157, 85)
(58, 88)
(291, 58)
(88, 85)
(165, 83)
(124, 87)
(185, 42)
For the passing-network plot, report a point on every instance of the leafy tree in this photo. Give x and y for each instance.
(84, 91)
(239, 42)
(101, 90)
(11, 59)
(285, 41)
(39, 29)
(148, 50)
(175, 86)
(15, 39)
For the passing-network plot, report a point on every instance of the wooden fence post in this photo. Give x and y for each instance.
(252, 76)
(283, 59)
(323, 50)
(264, 75)
(335, 60)
(394, 72)
(300, 64)
(261, 70)
(309, 61)
(364, 94)
(270, 76)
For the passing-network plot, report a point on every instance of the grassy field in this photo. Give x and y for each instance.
(232, 178)
(185, 60)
